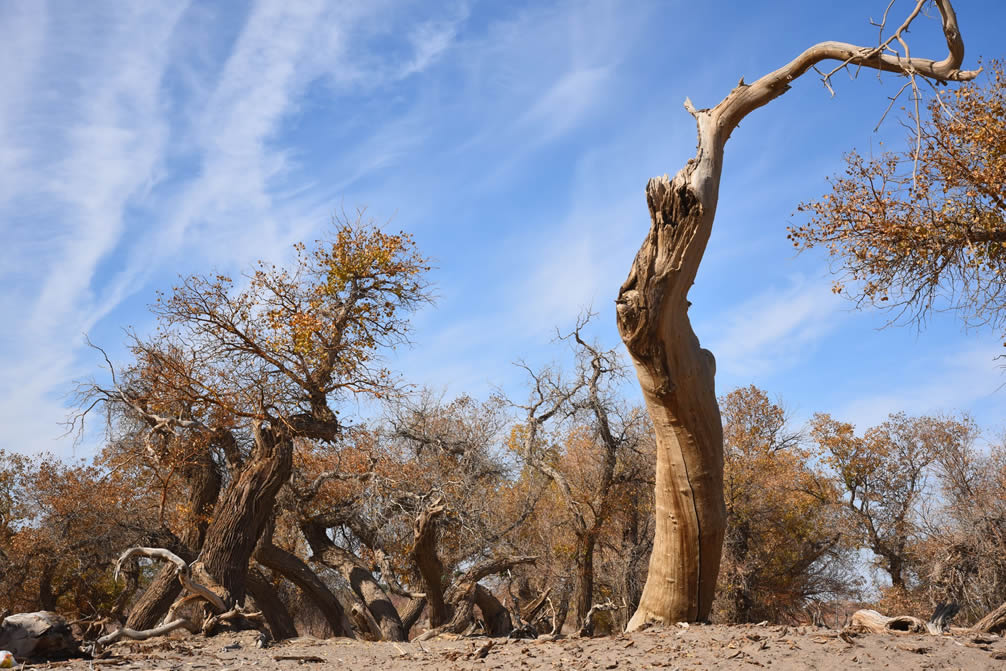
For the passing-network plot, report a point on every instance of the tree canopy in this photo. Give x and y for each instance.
(924, 228)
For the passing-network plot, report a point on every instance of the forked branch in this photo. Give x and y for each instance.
(746, 98)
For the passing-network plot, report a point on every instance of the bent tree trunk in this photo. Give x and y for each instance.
(292, 568)
(428, 564)
(204, 487)
(360, 579)
(676, 375)
(244, 510)
(495, 615)
(277, 615)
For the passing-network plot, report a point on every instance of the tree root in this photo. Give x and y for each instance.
(134, 635)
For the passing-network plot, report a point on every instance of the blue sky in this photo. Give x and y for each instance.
(141, 141)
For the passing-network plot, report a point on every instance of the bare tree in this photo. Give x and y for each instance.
(675, 373)
(422, 519)
(593, 470)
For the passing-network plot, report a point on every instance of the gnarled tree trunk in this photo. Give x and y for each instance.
(244, 510)
(277, 615)
(300, 574)
(496, 617)
(360, 579)
(204, 488)
(427, 561)
(676, 375)
(411, 613)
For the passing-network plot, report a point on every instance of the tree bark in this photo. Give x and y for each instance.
(675, 374)
(300, 574)
(461, 595)
(244, 510)
(496, 617)
(584, 593)
(276, 614)
(46, 595)
(204, 489)
(156, 599)
(427, 561)
(530, 612)
(993, 623)
(411, 613)
(360, 579)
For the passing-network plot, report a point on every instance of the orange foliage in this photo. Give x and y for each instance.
(782, 546)
(63, 524)
(908, 232)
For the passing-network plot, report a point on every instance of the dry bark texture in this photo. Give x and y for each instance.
(676, 375)
(362, 582)
(244, 510)
(294, 569)
(993, 623)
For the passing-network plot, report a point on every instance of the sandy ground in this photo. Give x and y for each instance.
(694, 647)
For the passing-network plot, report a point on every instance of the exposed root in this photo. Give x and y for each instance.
(143, 635)
(197, 590)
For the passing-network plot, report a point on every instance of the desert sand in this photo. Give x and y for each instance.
(678, 647)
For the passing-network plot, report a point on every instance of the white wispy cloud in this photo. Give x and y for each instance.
(772, 330)
(22, 27)
(93, 137)
(940, 381)
(563, 105)
(430, 40)
(135, 141)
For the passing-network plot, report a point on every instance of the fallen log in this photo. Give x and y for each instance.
(872, 621)
(993, 623)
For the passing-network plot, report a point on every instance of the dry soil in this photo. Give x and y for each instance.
(679, 647)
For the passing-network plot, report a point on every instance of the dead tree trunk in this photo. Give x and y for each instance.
(676, 375)
(993, 623)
